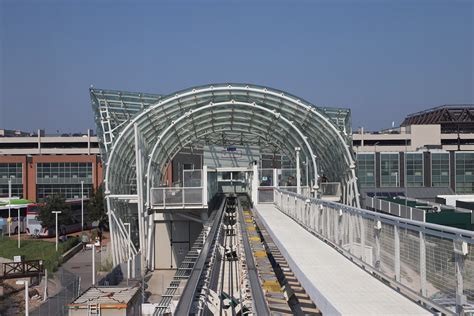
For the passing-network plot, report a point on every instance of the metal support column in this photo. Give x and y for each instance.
(255, 184)
(204, 185)
(377, 231)
(362, 238)
(298, 171)
(460, 253)
(422, 263)
(396, 233)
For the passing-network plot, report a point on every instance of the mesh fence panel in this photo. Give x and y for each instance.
(192, 178)
(56, 304)
(192, 195)
(265, 195)
(373, 238)
(370, 246)
(410, 259)
(173, 196)
(157, 196)
(440, 269)
(387, 251)
(468, 275)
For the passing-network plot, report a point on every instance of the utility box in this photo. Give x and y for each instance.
(107, 301)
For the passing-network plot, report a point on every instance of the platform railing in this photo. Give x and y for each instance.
(164, 197)
(330, 189)
(430, 263)
(266, 195)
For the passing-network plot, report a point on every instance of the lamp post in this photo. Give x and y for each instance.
(56, 213)
(18, 225)
(405, 173)
(82, 205)
(9, 206)
(93, 263)
(129, 251)
(376, 171)
(25, 282)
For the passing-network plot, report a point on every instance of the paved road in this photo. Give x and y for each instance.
(78, 270)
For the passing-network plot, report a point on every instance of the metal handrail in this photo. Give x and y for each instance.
(390, 218)
(329, 222)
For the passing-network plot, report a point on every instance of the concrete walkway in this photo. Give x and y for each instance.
(76, 272)
(336, 285)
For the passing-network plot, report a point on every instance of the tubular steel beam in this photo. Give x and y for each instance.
(187, 297)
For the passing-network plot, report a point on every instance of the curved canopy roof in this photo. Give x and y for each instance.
(230, 111)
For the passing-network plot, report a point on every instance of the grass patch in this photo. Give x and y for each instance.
(37, 249)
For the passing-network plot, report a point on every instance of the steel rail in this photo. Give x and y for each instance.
(187, 297)
(259, 302)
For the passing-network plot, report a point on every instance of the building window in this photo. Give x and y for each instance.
(414, 169)
(389, 170)
(17, 190)
(464, 172)
(440, 169)
(366, 170)
(14, 172)
(68, 191)
(64, 173)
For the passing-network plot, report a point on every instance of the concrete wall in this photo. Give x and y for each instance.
(174, 236)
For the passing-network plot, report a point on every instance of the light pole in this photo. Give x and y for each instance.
(405, 173)
(129, 251)
(93, 263)
(57, 212)
(376, 171)
(9, 206)
(82, 205)
(18, 228)
(25, 282)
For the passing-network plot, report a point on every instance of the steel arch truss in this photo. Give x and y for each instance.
(147, 140)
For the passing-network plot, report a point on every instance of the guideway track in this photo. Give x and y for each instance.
(234, 268)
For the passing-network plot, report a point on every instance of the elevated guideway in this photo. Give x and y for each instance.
(338, 286)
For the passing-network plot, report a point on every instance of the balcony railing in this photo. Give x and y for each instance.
(431, 263)
(169, 197)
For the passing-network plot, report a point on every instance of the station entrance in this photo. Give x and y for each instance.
(250, 138)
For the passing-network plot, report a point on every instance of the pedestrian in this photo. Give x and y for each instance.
(99, 233)
(85, 241)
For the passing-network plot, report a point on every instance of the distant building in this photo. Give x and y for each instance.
(39, 165)
(431, 153)
(12, 133)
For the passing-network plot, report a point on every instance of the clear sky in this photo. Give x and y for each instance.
(382, 59)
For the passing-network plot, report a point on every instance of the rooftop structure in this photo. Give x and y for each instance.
(107, 300)
(453, 118)
(38, 164)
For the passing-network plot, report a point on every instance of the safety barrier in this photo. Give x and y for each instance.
(396, 209)
(169, 196)
(431, 263)
(266, 195)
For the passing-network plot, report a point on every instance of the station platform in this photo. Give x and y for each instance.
(335, 284)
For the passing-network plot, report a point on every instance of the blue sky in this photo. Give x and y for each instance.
(382, 59)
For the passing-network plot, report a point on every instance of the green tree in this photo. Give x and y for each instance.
(96, 206)
(52, 204)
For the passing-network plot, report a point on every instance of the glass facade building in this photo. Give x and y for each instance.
(464, 172)
(63, 178)
(13, 171)
(389, 170)
(366, 169)
(440, 169)
(414, 169)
